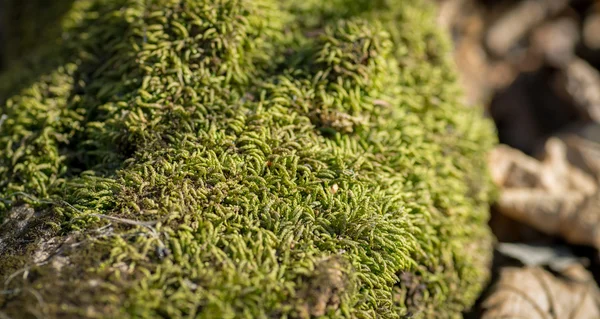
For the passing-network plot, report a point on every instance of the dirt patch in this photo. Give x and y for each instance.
(325, 289)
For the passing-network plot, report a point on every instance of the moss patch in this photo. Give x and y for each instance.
(255, 159)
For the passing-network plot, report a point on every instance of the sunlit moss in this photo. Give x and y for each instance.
(245, 159)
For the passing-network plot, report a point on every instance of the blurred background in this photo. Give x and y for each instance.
(533, 66)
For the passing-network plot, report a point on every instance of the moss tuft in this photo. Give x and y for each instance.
(243, 159)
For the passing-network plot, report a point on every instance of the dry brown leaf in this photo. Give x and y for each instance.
(551, 195)
(584, 154)
(510, 168)
(516, 23)
(571, 215)
(580, 83)
(534, 293)
(556, 40)
(591, 29)
(448, 11)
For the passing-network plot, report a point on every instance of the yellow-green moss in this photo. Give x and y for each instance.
(245, 159)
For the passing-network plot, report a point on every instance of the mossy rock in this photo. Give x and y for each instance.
(241, 159)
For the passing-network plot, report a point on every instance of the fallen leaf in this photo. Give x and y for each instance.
(583, 151)
(534, 293)
(550, 195)
(510, 168)
(570, 215)
(580, 82)
(558, 258)
(504, 33)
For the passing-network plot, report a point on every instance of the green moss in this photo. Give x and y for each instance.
(255, 159)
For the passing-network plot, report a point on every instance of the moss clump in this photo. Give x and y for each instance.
(242, 158)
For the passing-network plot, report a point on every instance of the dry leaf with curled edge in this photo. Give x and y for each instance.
(583, 149)
(511, 168)
(550, 195)
(515, 24)
(580, 82)
(535, 293)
